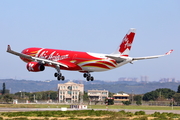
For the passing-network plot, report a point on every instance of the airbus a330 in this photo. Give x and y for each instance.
(86, 62)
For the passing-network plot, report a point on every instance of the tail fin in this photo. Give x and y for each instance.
(125, 47)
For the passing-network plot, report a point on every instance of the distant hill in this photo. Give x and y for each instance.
(116, 86)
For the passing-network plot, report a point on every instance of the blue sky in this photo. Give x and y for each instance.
(92, 26)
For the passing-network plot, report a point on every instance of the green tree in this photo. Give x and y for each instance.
(31, 97)
(178, 91)
(109, 101)
(159, 93)
(8, 98)
(111, 94)
(53, 95)
(153, 95)
(166, 92)
(4, 89)
(85, 96)
(176, 98)
(138, 99)
(126, 102)
(138, 102)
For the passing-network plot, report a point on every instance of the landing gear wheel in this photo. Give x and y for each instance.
(62, 78)
(92, 78)
(58, 77)
(55, 74)
(85, 75)
(88, 78)
(58, 73)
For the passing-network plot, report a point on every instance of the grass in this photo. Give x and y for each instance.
(86, 114)
(59, 113)
(135, 107)
(32, 106)
(90, 106)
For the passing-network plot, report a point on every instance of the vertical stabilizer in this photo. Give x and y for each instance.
(125, 46)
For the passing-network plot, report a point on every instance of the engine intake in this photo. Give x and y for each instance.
(35, 67)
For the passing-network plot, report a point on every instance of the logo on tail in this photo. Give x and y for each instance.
(125, 47)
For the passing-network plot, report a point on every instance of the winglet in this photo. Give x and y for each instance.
(168, 53)
(8, 48)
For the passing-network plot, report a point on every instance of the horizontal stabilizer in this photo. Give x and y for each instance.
(117, 59)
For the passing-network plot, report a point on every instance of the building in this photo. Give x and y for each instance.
(70, 92)
(119, 97)
(6, 91)
(163, 80)
(97, 95)
(144, 79)
(125, 79)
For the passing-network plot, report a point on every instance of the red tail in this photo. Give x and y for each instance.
(125, 47)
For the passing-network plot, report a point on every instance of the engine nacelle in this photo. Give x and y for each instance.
(35, 67)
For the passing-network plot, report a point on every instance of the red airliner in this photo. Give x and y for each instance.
(85, 62)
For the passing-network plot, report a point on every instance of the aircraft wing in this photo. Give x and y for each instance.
(151, 57)
(42, 60)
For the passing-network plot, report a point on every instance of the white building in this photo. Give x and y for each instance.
(97, 95)
(70, 92)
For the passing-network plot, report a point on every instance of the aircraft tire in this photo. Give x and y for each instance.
(55, 74)
(88, 78)
(62, 78)
(92, 78)
(85, 75)
(58, 77)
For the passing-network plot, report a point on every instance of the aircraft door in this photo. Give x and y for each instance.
(74, 58)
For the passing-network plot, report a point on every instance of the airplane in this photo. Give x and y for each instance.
(85, 62)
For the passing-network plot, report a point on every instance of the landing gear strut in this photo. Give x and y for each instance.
(58, 74)
(88, 76)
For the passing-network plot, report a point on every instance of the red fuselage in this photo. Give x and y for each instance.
(76, 61)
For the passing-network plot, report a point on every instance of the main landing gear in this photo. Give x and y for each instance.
(58, 74)
(88, 76)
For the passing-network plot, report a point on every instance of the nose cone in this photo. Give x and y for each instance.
(31, 51)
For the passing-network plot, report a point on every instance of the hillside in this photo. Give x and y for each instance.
(128, 87)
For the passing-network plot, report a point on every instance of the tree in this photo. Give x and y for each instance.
(8, 98)
(178, 91)
(166, 92)
(4, 89)
(176, 98)
(138, 102)
(150, 96)
(111, 94)
(138, 99)
(126, 102)
(159, 93)
(109, 101)
(85, 96)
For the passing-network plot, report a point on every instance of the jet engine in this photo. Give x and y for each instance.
(35, 66)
